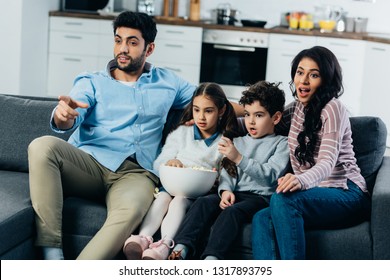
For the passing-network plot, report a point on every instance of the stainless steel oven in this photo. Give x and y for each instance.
(233, 59)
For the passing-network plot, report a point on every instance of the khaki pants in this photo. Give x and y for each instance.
(58, 169)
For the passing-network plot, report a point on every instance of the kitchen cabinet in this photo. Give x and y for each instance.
(350, 54)
(281, 51)
(179, 48)
(76, 45)
(375, 97)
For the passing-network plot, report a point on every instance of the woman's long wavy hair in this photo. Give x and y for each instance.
(331, 87)
(227, 125)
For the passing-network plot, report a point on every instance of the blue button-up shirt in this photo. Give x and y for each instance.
(123, 121)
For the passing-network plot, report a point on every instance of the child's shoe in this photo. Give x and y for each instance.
(135, 245)
(158, 250)
(175, 255)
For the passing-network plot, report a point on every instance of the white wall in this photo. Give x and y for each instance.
(10, 34)
(271, 10)
(23, 48)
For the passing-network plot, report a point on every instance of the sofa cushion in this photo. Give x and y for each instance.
(16, 213)
(22, 119)
(350, 243)
(369, 140)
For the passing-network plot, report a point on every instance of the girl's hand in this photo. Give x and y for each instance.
(288, 183)
(175, 163)
(227, 148)
(227, 199)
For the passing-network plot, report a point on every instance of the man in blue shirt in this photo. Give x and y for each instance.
(117, 116)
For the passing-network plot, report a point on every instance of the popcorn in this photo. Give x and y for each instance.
(201, 168)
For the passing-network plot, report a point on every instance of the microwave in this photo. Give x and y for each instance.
(92, 6)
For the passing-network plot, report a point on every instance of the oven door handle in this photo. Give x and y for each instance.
(234, 48)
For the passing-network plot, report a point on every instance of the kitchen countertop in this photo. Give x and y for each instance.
(369, 36)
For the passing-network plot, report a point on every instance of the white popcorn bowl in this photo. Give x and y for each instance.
(187, 182)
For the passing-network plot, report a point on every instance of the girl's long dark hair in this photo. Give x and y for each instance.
(331, 87)
(227, 124)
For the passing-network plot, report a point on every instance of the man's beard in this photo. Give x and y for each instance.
(134, 65)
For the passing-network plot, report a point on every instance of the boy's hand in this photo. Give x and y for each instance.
(175, 163)
(227, 199)
(227, 148)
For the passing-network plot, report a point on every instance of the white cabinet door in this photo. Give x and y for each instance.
(179, 48)
(375, 93)
(63, 69)
(281, 51)
(73, 24)
(106, 39)
(75, 45)
(350, 54)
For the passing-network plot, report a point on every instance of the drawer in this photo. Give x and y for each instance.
(342, 46)
(291, 42)
(106, 28)
(179, 33)
(106, 45)
(182, 52)
(103, 61)
(190, 73)
(74, 24)
(63, 69)
(74, 43)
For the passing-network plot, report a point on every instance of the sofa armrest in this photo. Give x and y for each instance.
(380, 215)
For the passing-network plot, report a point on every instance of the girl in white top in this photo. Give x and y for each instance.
(195, 145)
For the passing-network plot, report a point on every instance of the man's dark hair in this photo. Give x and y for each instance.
(270, 96)
(141, 21)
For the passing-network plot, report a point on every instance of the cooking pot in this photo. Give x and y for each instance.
(226, 15)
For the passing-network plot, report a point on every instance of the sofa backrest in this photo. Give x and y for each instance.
(369, 141)
(22, 119)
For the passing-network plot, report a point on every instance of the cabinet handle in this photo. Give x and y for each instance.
(73, 37)
(73, 23)
(173, 69)
(378, 49)
(72, 59)
(338, 44)
(174, 46)
(174, 32)
(236, 49)
(292, 41)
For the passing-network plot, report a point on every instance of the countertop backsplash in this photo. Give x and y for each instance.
(377, 13)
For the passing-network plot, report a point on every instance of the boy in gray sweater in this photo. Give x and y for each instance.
(253, 163)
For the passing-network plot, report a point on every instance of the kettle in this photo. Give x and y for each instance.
(225, 14)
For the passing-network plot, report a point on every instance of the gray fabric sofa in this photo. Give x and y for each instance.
(24, 118)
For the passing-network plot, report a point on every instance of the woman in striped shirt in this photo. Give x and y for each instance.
(325, 188)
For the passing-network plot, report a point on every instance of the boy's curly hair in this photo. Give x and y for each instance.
(270, 96)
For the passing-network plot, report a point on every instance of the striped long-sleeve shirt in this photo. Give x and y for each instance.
(334, 157)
